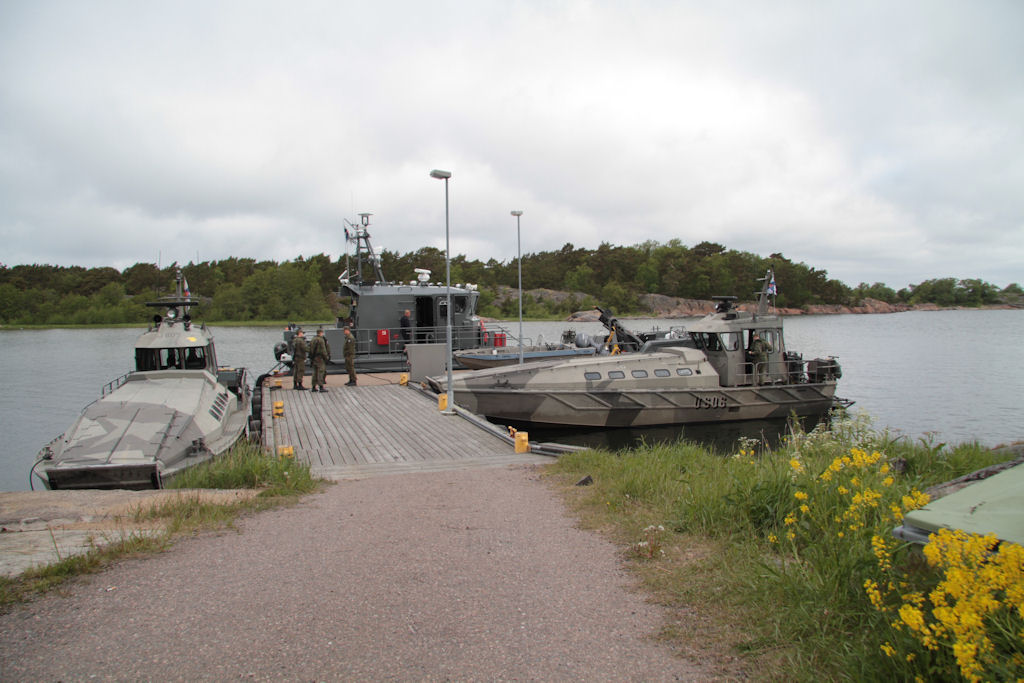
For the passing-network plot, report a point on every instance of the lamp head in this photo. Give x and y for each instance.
(442, 175)
(517, 214)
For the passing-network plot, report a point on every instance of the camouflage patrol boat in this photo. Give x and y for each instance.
(175, 410)
(378, 305)
(708, 375)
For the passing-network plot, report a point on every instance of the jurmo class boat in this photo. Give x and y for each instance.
(706, 375)
(175, 410)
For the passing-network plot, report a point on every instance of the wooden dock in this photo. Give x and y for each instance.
(378, 427)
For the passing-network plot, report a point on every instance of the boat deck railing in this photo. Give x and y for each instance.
(781, 371)
(114, 384)
(390, 340)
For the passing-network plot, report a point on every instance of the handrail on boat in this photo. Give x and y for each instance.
(794, 370)
(114, 384)
(367, 339)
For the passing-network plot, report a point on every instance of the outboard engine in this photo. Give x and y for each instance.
(281, 353)
(794, 366)
(823, 369)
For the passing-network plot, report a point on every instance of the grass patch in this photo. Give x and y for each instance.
(39, 580)
(771, 552)
(245, 466)
(248, 465)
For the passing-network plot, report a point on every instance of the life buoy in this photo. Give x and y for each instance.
(486, 337)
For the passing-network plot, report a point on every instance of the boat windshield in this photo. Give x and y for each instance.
(710, 341)
(191, 358)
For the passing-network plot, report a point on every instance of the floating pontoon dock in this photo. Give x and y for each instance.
(378, 427)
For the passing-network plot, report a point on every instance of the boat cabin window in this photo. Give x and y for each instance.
(684, 372)
(442, 309)
(616, 374)
(170, 359)
(661, 372)
(459, 304)
(146, 359)
(592, 375)
(195, 358)
(709, 341)
(639, 374)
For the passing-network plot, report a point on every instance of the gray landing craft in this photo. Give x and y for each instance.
(175, 410)
(376, 311)
(706, 376)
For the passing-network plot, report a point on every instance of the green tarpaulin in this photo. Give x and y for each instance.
(990, 506)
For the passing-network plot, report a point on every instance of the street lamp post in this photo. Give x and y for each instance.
(519, 253)
(445, 175)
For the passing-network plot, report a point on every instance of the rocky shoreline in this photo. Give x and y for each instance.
(662, 306)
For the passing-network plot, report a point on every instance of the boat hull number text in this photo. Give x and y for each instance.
(711, 402)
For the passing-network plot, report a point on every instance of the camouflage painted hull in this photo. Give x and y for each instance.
(729, 366)
(146, 431)
(673, 385)
(647, 407)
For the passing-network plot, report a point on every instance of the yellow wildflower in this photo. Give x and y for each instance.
(912, 617)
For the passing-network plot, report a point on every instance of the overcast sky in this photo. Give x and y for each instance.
(881, 141)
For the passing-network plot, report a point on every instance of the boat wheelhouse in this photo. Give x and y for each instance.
(378, 305)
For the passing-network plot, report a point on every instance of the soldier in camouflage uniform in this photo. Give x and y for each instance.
(299, 351)
(319, 354)
(759, 350)
(350, 356)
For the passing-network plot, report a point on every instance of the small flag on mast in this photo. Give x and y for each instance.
(772, 290)
(184, 282)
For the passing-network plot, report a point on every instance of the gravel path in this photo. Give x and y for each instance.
(459, 575)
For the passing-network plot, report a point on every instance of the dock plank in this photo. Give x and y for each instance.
(376, 428)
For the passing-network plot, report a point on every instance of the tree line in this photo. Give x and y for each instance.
(243, 289)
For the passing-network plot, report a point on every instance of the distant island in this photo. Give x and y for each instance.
(648, 279)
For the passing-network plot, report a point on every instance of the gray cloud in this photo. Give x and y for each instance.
(880, 142)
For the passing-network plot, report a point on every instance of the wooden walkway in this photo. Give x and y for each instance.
(378, 427)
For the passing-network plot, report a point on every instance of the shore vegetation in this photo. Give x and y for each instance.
(615, 277)
(784, 562)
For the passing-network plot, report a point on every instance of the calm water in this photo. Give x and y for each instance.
(931, 374)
